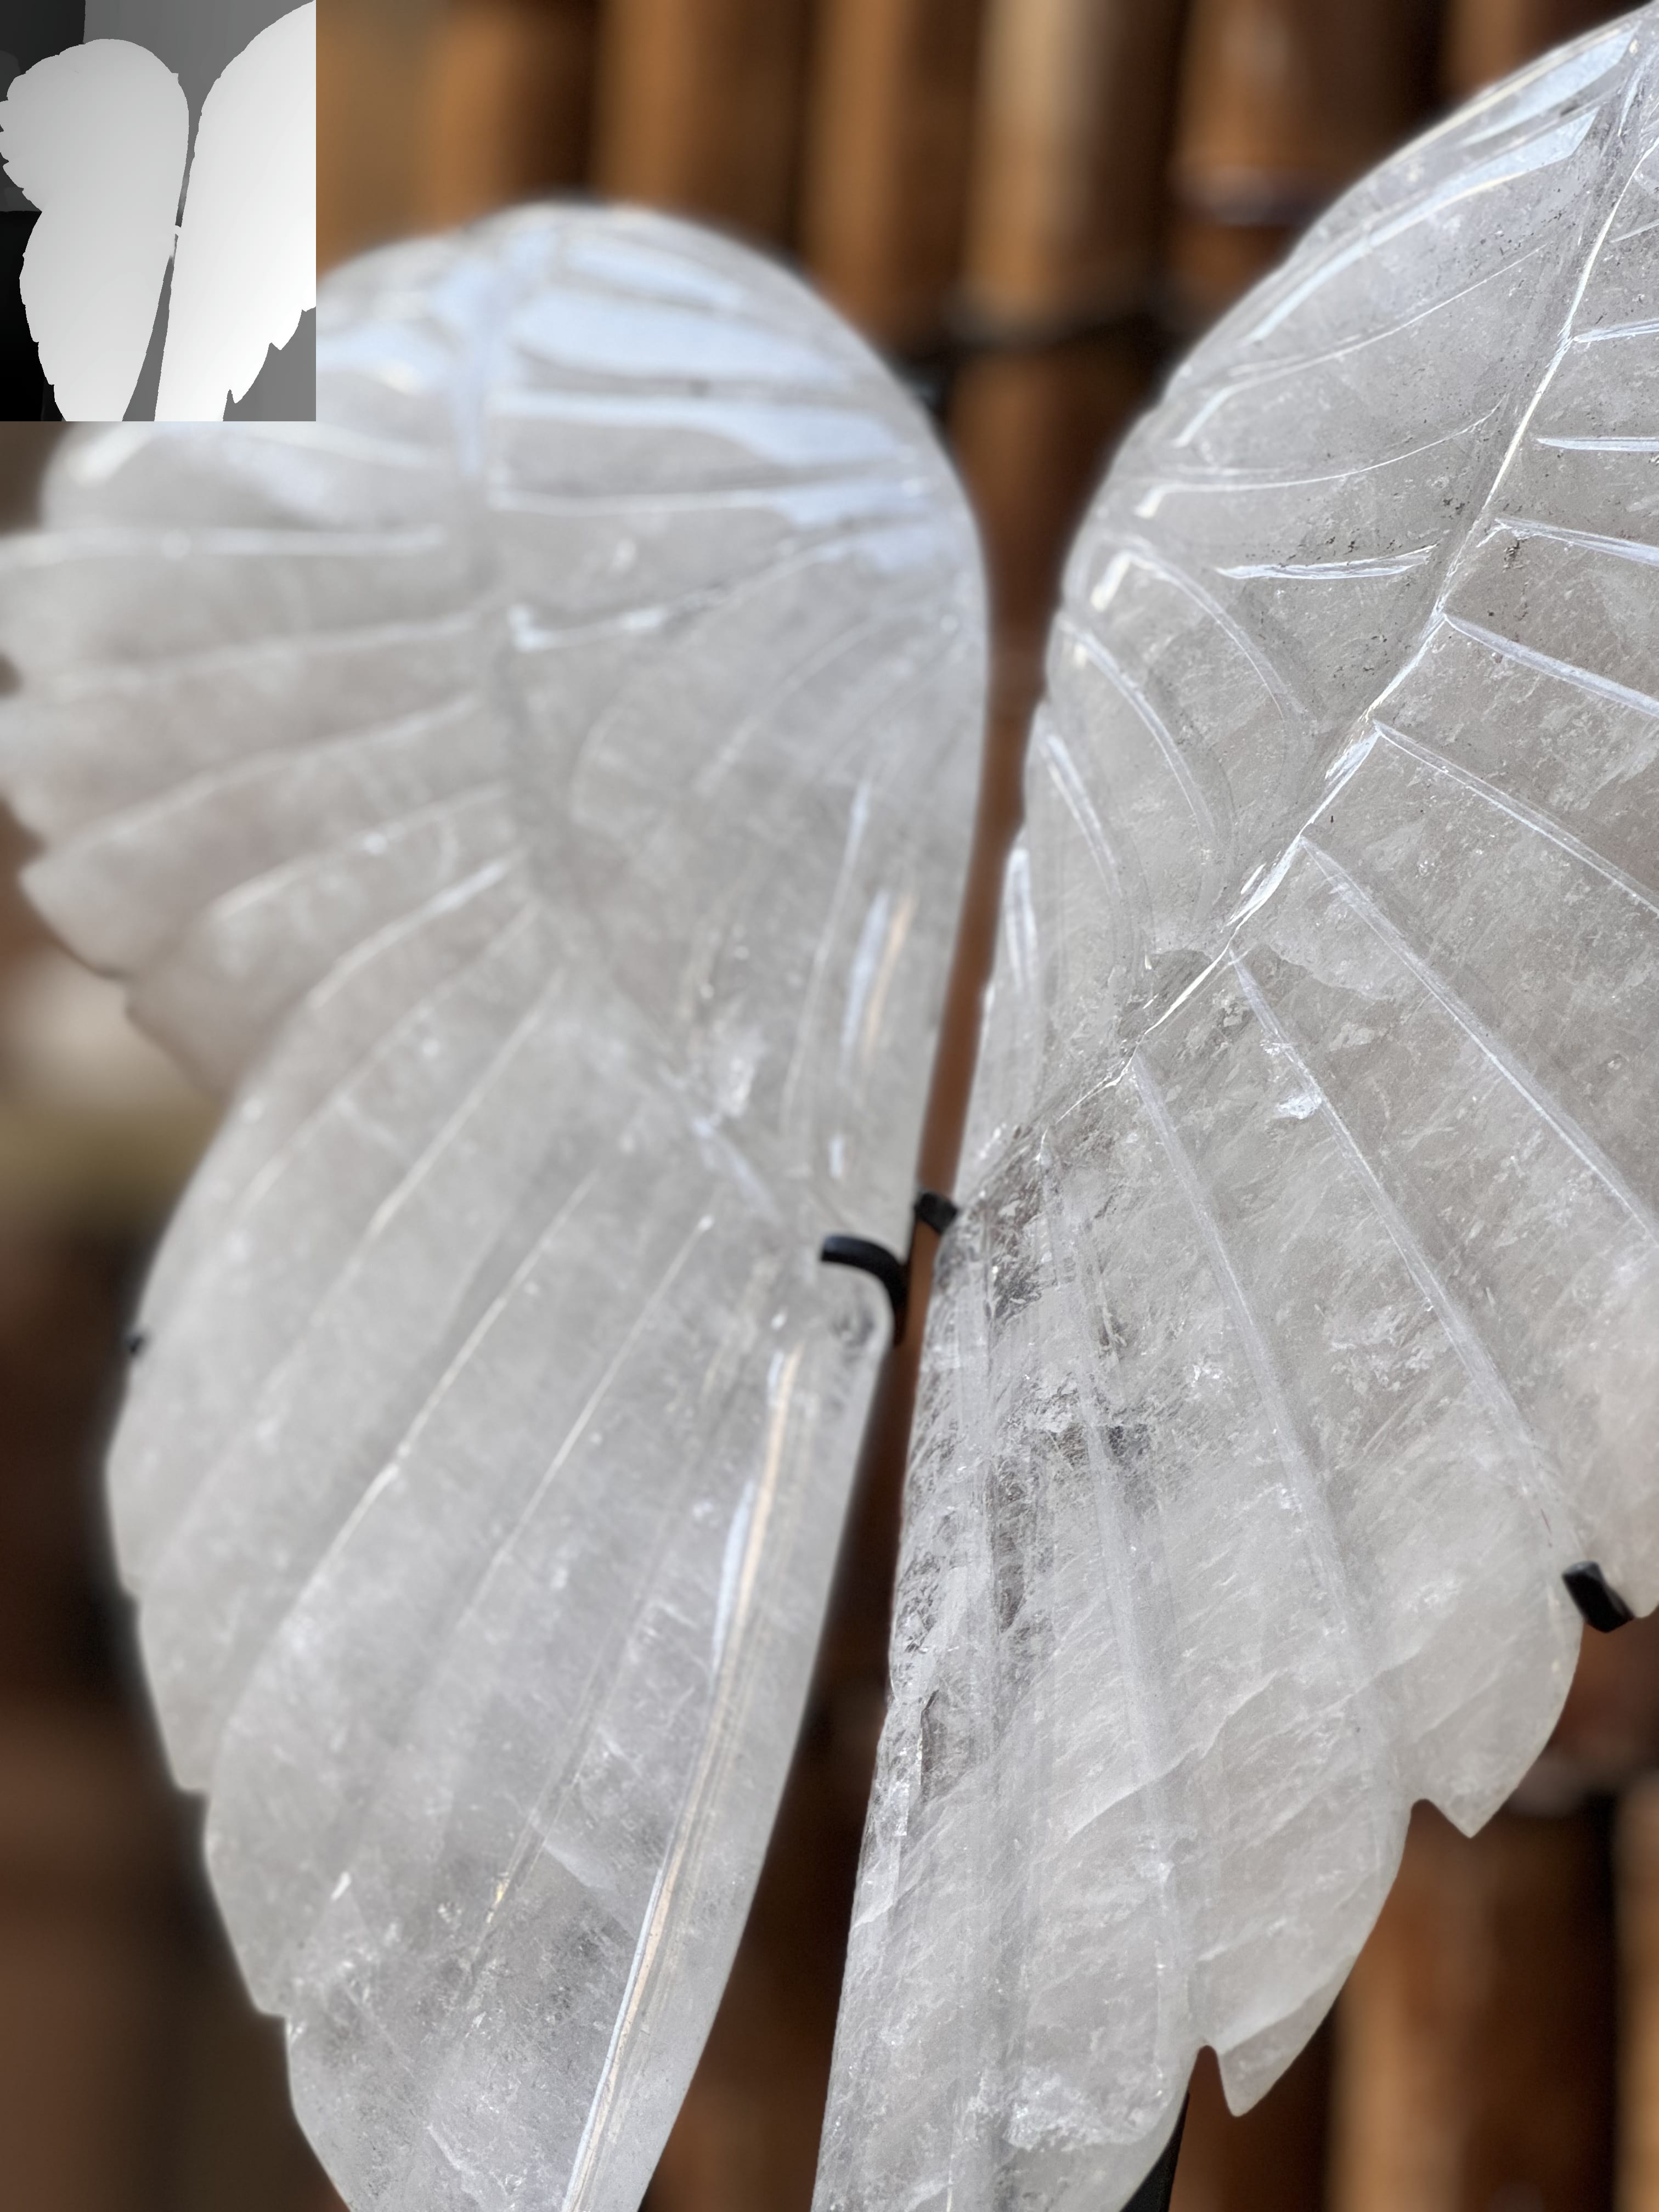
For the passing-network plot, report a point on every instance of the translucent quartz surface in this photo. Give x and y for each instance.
(539, 791)
(1306, 1322)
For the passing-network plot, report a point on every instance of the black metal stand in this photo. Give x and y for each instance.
(935, 1211)
(1596, 1597)
(872, 1258)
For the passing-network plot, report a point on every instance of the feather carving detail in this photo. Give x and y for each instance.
(569, 738)
(1301, 1326)
(537, 793)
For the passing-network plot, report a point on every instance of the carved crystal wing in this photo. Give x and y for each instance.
(1304, 1326)
(539, 793)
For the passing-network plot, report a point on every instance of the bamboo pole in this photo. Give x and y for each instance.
(1282, 103)
(371, 80)
(1474, 2040)
(889, 124)
(1484, 39)
(507, 100)
(699, 108)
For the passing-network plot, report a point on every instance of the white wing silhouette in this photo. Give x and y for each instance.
(540, 788)
(96, 137)
(246, 266)
(1304, 1328)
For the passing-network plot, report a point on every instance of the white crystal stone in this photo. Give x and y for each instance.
(1303, 1325)
(539, 792)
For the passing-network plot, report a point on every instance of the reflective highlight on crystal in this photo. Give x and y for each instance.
(1301, 1325)
(538, 793)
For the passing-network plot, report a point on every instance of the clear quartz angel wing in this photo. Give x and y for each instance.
(1304, 1325)
(538, 791)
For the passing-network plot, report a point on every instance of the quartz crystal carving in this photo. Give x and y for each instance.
(537, 793)
(1303, 1325)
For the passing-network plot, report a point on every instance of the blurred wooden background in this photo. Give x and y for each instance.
(1031, 205)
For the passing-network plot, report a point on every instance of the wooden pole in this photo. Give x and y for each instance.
(507, 105)
(1474, 2040)
(699, 108)
(889, 116)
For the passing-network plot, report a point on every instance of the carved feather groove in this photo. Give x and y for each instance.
(539, 794)
(1315, 1124)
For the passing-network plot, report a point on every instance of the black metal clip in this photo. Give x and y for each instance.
(1596, 1597)
(935, 1211)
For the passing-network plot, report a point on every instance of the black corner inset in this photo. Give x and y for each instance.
(25, 394)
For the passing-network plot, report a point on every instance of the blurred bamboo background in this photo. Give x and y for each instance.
(1031, 205)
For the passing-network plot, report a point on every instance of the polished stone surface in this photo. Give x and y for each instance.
(539, 794)
(1303, 1322)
